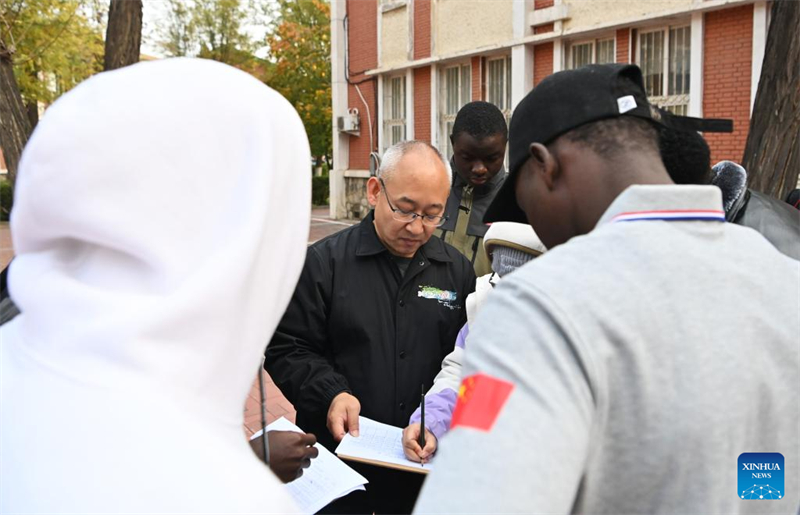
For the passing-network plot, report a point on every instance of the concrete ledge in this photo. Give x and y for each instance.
(359, 174)
(549, 15)
(391, 6)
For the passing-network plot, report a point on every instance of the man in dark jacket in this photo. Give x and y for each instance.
(479, 141)
(8, 310)
(377, 308)
(687, 159)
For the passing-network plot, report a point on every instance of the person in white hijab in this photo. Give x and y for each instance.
(160, 225)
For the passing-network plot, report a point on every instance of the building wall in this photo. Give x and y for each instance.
(585, 14)
(728, 40)
(394, 37)
(443, 28)
(623, 45)
(422, 29)
(461, 25)
(363, 48)
(477, 78)
(422, 104)
(542, 62)
(356, 204)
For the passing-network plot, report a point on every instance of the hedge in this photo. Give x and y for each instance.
(6, 200)
(320, 190)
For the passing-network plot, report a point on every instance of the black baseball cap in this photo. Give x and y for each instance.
(568, 99)
(561, 102)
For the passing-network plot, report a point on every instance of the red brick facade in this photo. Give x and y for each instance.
(422, 104)
(422, 29)
(542, 62)
(623, 46)
(477, 78)
(727, 62)
(541, 29)
(363, 48)
(727, 56)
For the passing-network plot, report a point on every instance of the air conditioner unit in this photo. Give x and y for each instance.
(349, 123)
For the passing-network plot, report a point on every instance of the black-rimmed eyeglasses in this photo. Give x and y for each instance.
(409, 216)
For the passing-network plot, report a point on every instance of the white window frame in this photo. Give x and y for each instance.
(677, 103)
(448, 117)
(595, 46)
(505, 92)
(394, 114)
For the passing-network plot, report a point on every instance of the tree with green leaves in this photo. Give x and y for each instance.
(300, 50)
(46, 48)
(178, 34)
(212, 29)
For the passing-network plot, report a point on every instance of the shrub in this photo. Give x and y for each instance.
(320, 190)
(6, 200)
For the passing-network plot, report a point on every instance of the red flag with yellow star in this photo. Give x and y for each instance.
(480, 399)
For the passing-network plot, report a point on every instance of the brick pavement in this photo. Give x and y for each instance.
(6, 252)
(277, 405)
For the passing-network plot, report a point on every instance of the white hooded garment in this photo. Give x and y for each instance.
(160, 226)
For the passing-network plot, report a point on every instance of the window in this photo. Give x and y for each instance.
(498, 84)
(498, 88)
(456, 90)
(665, 60)
(394, 111)
(598, 51)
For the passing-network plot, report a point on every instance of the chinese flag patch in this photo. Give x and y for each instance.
(480, 399)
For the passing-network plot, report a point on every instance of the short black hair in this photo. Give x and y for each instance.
(480, 120)
(793, 198)
(686, 156)
(610, 137)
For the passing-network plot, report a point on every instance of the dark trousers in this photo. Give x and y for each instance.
(388, 491)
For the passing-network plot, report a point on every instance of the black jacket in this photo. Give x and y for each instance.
(482, 197)
(777, 221)
(355, 325)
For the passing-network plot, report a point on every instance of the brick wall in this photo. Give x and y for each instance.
(541, 29)
(422, 104)
(727, 62)
(623, 46)
(363, 49)
(543, 4)
(422, 29)
(477, 78)
(542, 62)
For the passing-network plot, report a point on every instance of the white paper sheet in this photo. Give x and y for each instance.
(327, 479)
(379, 442)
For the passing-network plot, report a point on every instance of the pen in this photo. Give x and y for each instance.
(263, 412)
(422, 419)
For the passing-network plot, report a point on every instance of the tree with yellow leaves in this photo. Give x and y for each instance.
(300, 52)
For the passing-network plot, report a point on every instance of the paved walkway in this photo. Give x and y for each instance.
(277, 405)
(6, 252)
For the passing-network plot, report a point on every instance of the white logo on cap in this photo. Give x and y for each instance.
(626, 103)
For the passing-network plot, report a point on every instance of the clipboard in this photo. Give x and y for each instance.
(413, 467)
(380, 445)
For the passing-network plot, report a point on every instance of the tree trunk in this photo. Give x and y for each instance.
(33, 114)
(14, 125)
(772, 154)
(124, 34)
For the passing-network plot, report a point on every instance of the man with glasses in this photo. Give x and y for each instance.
(377, 308)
